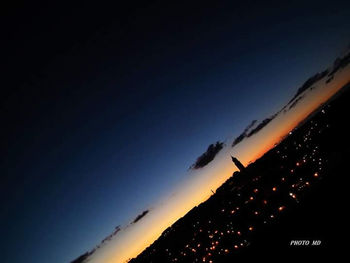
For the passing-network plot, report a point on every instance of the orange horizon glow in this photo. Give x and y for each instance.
(135, 238)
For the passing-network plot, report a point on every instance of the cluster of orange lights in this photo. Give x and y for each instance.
(204, 259)
(215, 244)
(296, 186)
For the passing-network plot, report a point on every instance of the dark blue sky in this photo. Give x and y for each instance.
(104, 108)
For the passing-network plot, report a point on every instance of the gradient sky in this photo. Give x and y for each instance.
(104, 108)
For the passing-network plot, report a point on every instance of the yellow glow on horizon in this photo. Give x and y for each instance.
(135, 238)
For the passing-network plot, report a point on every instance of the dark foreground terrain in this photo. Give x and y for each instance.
(296, 191)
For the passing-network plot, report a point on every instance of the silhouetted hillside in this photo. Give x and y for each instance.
(287, 194)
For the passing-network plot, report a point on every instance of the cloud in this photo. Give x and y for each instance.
(244, 133)
(116, 230)
(261, 125)
(340, 63)
(295, 102)
(138, 218)
(82, 258)
(309, 83)
(208, 156)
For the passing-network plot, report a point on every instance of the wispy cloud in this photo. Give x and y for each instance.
(244, 133)
(208, 156)
(140, 216)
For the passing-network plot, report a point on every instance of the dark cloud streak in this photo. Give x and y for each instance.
(208, 156)
(309, 83)
(140, 216)
(261, 125)
(243, 134)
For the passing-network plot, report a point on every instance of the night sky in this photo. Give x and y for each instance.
(104, 108)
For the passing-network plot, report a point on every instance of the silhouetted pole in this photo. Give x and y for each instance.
(239, 165)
